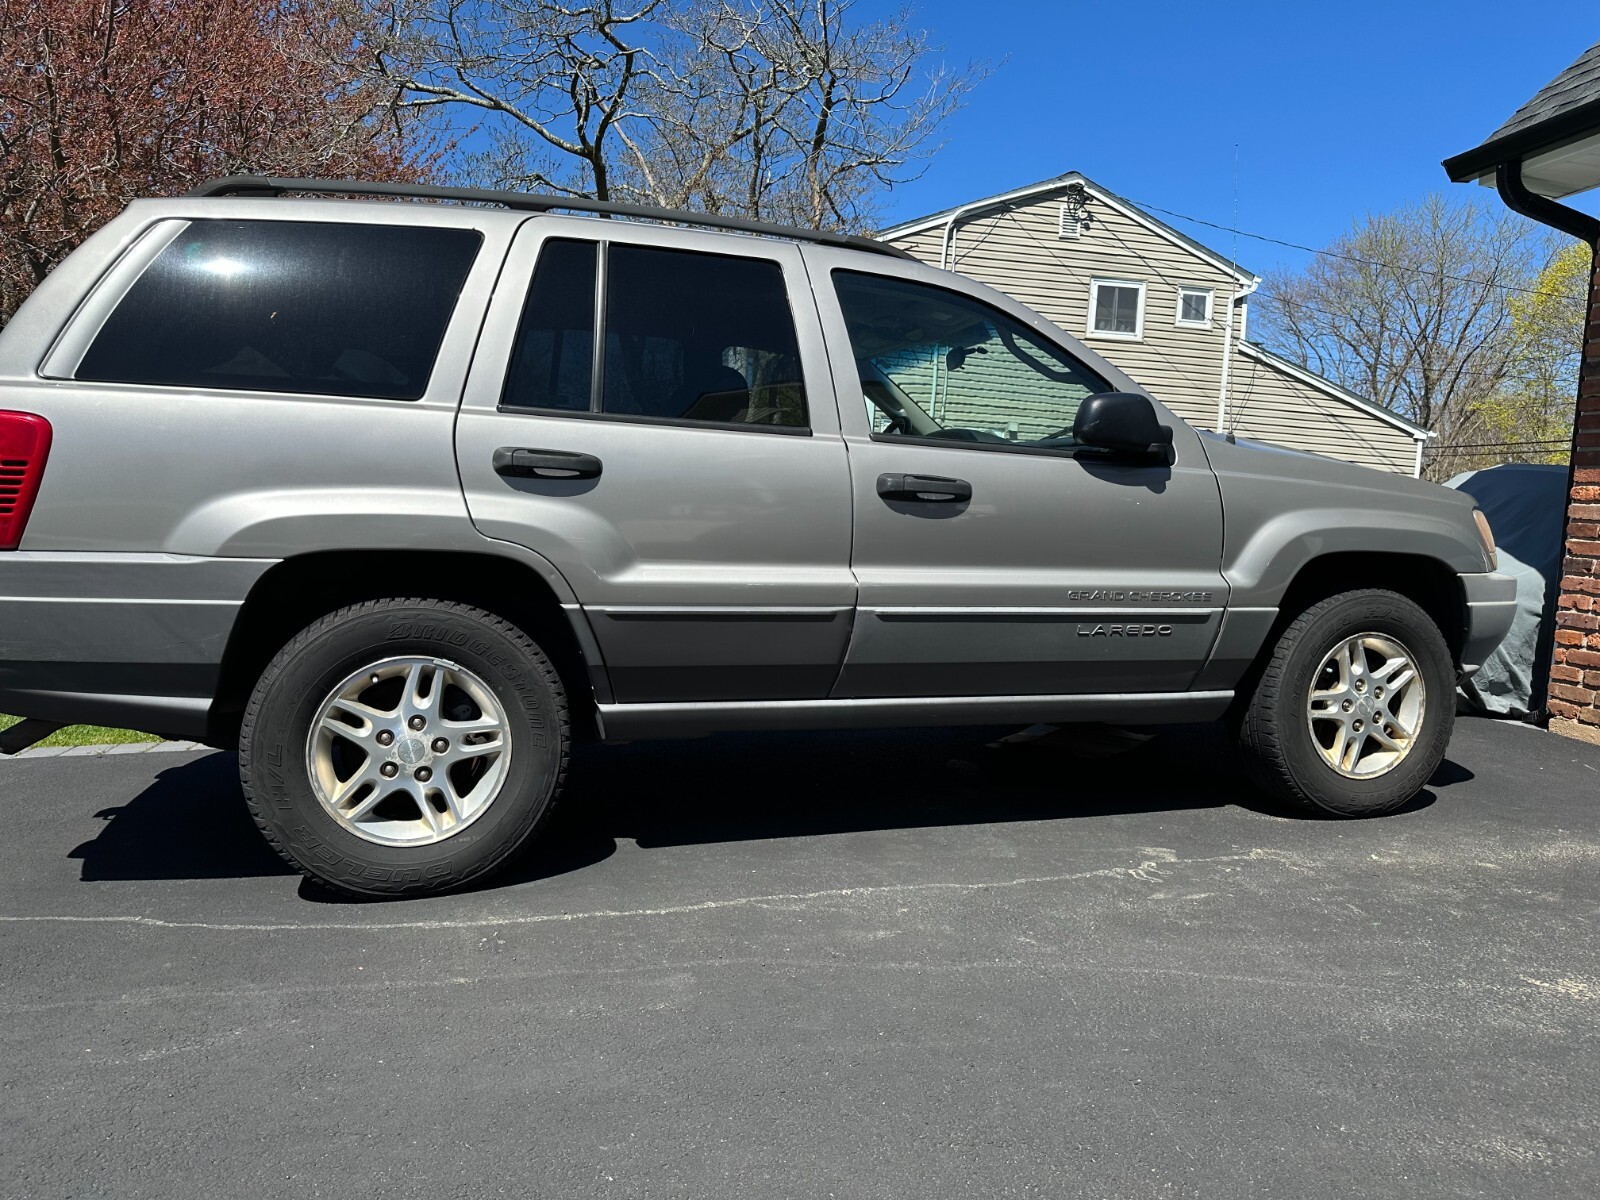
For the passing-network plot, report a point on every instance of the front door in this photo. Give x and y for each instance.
(650, 412)
(994, 556)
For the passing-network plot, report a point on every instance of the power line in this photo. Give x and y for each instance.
(1200, 387)
(1242, 407)
(1261, 237)
(1545, 445)
(1273, 298)
(1270, 296)
(1565, 389)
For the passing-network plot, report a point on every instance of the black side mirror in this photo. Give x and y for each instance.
(1124, 422)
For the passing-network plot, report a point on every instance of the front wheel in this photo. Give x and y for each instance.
(404, 747)
(1355, 707)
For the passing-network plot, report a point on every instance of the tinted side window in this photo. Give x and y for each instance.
(701, 337)
(289, 306)
(552, 363)
(937, 364)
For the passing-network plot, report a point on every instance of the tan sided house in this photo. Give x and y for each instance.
(1167, 310)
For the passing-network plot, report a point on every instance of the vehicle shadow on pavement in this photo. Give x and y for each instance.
(733, 788)
(191, 823)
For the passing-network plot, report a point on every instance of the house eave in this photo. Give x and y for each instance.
(1556, 133)
(1060, 183)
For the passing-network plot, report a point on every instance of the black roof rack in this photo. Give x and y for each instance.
(256, 185)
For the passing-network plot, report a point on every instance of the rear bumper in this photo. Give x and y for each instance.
(1491, 601)
(132, 640)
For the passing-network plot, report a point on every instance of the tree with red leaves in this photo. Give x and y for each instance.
(103, 101)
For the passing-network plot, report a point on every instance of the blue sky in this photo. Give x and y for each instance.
(1337, 109)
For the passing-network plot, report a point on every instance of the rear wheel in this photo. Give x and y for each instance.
(1355, 707)
(403, 747)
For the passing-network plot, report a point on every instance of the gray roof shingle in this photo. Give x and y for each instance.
(1578, 84)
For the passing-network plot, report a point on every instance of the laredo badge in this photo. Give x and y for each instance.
(1124, 630)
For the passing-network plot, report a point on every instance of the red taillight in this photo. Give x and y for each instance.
(24, 446)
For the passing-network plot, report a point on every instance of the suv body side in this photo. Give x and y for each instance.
(161, 508)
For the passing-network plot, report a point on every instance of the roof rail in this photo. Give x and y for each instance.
(256, 185)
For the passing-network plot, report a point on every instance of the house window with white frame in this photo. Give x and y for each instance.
(1116, 308)
(1194, 307)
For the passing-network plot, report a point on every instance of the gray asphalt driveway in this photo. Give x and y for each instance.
(887, 965)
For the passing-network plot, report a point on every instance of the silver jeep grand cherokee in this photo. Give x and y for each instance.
(400, 499)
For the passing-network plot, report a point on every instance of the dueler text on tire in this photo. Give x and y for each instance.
(403, 747)
(1355, 706)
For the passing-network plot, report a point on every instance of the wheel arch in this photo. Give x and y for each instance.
(296, 591)
(1433, 585)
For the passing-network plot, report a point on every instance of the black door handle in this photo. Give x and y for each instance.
(545, 464)
(926, 489)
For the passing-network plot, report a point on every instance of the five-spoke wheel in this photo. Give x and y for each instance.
(408, 751)
(1366, 703)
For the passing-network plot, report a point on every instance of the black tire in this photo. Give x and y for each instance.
(277, 723)
(1280, 752)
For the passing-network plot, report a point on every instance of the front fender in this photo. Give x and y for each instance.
(1261, 566)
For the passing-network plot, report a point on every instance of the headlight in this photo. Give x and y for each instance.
(1486, 536)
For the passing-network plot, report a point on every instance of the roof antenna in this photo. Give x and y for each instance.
(1227, 344)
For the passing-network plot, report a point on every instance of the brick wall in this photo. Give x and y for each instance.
(1575, 671)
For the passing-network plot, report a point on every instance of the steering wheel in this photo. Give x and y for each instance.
(899, 420)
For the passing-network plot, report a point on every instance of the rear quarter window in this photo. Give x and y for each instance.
(288, 306)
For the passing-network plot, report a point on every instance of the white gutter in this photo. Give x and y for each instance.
(947, 246)
(1227, 352)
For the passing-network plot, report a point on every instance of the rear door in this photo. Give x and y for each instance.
(994, 556)
(653, 413)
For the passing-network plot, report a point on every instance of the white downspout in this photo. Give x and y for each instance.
(1227, 351)
(946, 254)
(1416, 471)
(947, 247)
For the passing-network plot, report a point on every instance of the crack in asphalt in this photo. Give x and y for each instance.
(170, 995)
(1149, 870)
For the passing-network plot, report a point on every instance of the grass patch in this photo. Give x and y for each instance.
(86, 735)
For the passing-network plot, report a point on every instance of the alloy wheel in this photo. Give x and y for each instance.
(408, 751)
(1366, 705)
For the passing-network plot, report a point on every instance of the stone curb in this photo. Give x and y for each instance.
(108, 749)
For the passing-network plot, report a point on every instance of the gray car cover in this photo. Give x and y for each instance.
(1525, 504)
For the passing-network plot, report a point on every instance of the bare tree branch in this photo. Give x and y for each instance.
(1413, 310)
(791, 110)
